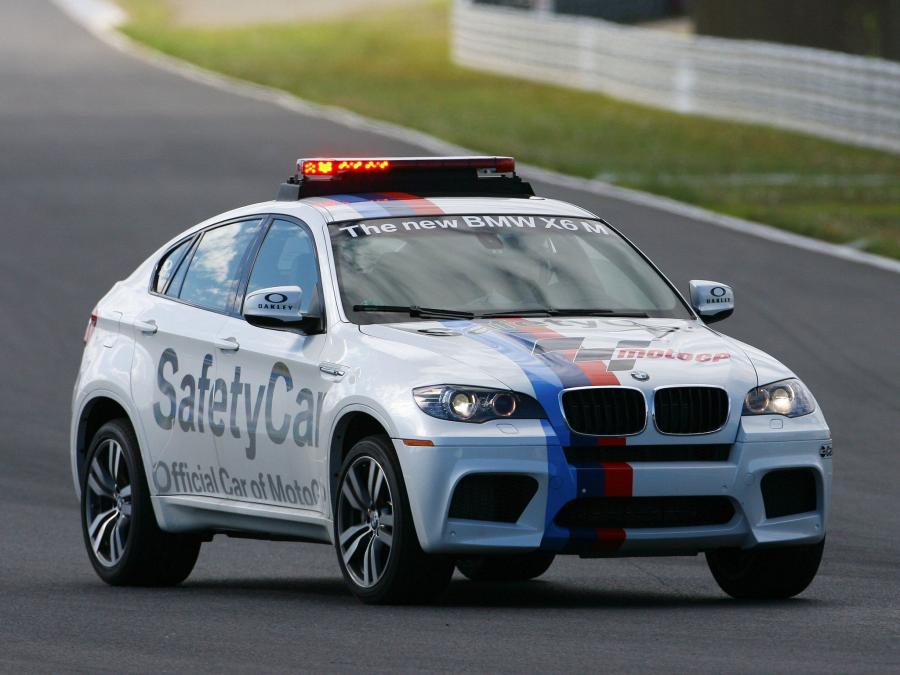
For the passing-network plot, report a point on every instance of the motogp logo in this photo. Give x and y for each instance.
(625, 354)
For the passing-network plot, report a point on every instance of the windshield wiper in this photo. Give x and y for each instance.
(515, 312)
(552, 311)
(436, 313)
(599, 312)
(415, 311)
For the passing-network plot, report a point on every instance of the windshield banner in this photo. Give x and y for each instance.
(473, 224)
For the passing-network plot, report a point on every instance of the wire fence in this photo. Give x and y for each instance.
(849, 98)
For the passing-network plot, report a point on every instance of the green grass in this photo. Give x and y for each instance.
(395, 66)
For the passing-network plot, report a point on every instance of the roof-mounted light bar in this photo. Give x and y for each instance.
(327, 168)
(425, 176)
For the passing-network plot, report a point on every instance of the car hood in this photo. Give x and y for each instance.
(643, 353)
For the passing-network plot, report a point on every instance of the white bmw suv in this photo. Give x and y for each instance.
(424, 365)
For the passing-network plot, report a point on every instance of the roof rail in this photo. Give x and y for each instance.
(425, 176)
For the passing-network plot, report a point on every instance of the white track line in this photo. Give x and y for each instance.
(101, 18)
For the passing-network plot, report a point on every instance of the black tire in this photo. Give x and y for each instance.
(408, 575)
(149, 556)
(768, 573)
(514, 567)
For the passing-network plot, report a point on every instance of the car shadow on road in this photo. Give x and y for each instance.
(466, 594)
(551, 594)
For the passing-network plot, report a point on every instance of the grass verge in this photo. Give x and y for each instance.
(395, 66)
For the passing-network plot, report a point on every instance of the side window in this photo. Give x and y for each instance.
(212, 276)
(287, 257)
(169, 264)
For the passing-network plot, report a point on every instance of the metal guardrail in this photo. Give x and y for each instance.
(848, 98)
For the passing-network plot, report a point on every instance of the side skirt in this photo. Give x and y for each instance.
(258, 521)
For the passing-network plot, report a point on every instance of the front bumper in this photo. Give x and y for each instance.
(433, 473)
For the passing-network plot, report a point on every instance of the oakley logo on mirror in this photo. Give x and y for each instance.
(712, 300)
(281, 303)
(276, 298)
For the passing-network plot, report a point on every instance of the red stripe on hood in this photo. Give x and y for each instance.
(596, 371)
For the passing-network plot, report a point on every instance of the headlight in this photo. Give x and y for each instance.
(475, 404)
(790, 398)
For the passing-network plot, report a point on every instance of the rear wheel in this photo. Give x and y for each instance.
(123, 541)
(516, 567)
(769, 573)
(374, 535)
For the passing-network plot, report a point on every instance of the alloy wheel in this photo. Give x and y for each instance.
(108, 503)
(365, 520)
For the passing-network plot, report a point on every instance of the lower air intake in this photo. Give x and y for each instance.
(676, 452)
(638, 512)
(492, 496)
(788, 491)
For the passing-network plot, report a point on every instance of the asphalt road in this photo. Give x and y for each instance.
(103, 157)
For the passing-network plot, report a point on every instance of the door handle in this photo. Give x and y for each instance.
(332, 369)
(146, 327)
(227, 344)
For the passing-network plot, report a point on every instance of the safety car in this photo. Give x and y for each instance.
(426, 366)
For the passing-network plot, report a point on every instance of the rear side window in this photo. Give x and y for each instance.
(212, 275)
(169, 264)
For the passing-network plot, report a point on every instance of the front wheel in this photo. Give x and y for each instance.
(374, 535)
(769, 573)
(514, 567)
(123, 541)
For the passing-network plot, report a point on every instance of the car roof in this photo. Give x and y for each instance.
(345, 207)
(338, 208)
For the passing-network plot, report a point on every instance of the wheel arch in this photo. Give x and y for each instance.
(101, 407)
(352, 425)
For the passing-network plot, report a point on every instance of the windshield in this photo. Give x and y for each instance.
(391, 269)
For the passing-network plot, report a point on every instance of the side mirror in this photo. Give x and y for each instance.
(279, 307)
(711, 300)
